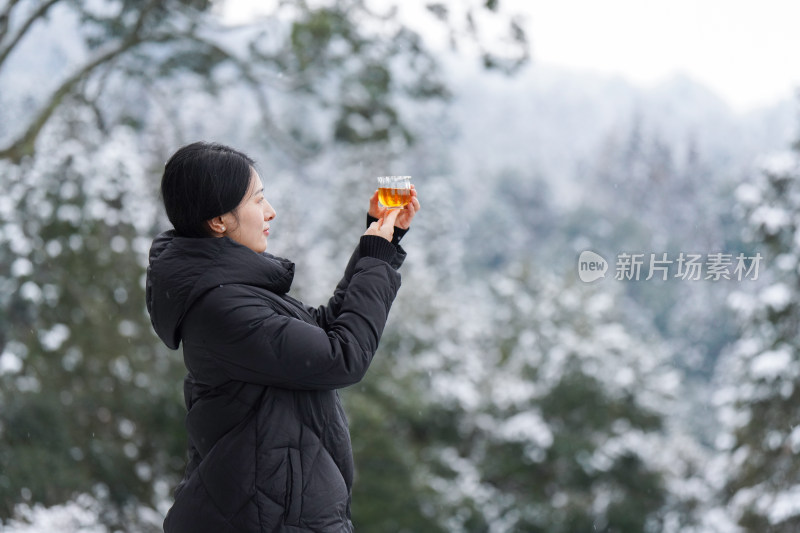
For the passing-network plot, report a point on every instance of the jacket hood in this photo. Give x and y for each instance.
(182, 269)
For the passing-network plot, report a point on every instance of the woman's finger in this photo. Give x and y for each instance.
(391, 217)
(375, 209)
(411, 208)
(414, 203)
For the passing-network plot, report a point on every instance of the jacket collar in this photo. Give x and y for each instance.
(182, 269)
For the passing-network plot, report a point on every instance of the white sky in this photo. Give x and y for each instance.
(747, 51)
(744, 50)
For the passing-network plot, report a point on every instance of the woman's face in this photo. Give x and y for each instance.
(250, 226)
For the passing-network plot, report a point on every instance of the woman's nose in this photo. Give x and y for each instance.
(269, 212)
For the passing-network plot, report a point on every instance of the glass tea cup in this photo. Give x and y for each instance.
(394, 191)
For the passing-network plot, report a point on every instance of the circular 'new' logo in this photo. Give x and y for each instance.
(591, 266)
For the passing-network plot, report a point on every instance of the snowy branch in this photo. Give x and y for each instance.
(6, 50)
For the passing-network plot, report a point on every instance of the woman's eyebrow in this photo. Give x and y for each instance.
(258, 191)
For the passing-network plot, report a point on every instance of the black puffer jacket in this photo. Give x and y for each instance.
(269, 446)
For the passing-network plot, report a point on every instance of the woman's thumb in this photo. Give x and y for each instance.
(391, 217)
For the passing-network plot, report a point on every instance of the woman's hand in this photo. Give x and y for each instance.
(384, 227)
(405, 214)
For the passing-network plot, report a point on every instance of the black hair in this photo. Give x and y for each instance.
(201, 181)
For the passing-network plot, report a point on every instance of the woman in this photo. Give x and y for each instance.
(269, 446)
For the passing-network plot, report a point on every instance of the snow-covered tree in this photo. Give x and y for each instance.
(90, 404)
(529, 404)
(758, 393)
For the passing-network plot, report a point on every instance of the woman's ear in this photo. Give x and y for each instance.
(217, 226)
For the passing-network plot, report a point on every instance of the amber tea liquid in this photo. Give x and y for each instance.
(391, 197)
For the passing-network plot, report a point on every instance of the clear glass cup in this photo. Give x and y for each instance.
(394, 191)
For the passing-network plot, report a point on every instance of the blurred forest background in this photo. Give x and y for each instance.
(507, 395)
